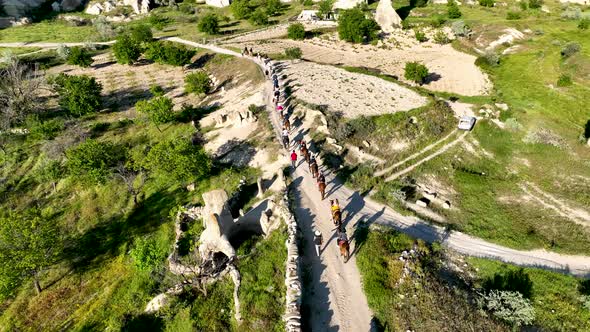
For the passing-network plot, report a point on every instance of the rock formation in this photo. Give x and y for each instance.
(69, 5)
(218, 3)
(387, 17)
(139, 6)
(218, 221)
(18, 8)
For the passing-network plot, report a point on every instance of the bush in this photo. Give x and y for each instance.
(241, 9)
(209, 24)
(93, 160)
(441, 38)
(535, 4)
(198, 83)
(564, 80)
(437, 21)
(126, 50)
(416, 72)
(169, 53)
(418, 3)
(513, 16)
(259, 17)
(158, 110)
(487, 3)
(104, 28)
(148, 254)
(406, 24)
(63, 52)
(293, 53)
(156, 90)
(178, 159)
(78, 95)
(296, 31)
(46, 130)
(453, 10)
(510, 307)
(325, 8)
(79, 57)
(488, 59)
(570, 49)
(141, 33)
(460, 29)
(353, 26)
(523, 5)
(420, 35)
(158, 22)
(584, 24)
(273, 7)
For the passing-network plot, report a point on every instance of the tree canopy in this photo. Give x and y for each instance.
(198, 82)
(127, 50)
(354, 26)
(416, 72)
(79, 95)
(179, 159)
(296, 31)
(158, 110)
(209, 24)
(93, 160)
(79, 56)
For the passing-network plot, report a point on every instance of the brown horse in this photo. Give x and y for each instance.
(305, 153)
(287, 124)
(344, 249)
(337, 218)
(322, 188)
(313, 168)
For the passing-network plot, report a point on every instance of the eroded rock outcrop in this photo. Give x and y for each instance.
(387, 17)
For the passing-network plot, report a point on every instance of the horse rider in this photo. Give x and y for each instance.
(335, 206)
(285, 137)
(294, 159)
(317, 241)
(321, 178)
(312, 161)
(342, 237)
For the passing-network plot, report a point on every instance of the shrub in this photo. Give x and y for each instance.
(178, 159)
(126, 50)
(43, 129)
(459, 28)
(406, 24)
(158, 22)
(437, 21)
(169, 53)
(147, 254)
(93, 160)
(535, 4)
(209, 24)
(353, 26)
(156, 90)
(420, 35)
(564, 80)
(584, 24)
(141, 33)
(523, 5)
(293, 53)
(513, 15)
(570, 49)
(510, 307)
(241, 9)
(273, 7)
(259, 17)
(78, 95)
(158, 110)
(418, 3)
(453, 10)
(50, 172)
(441, 38)
(416, 72)
(487, 3)
(513, 124)
(296, 31)
(198, 83)
(489, 58)
(104, 28)
(572, 13)
(325, 8)
(63, 52)
(79, 57)
(343, 131)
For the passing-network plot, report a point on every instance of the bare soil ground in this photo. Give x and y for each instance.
(451, 70)
(350, 93)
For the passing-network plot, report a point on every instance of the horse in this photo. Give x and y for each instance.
(344, 249)
(313, 168)
(337, 218)
(287, 124)
(286, 142)
(322, 188)
(304, 153)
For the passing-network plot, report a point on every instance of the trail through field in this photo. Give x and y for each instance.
(415, 155)
(440, 151)
(560, 207)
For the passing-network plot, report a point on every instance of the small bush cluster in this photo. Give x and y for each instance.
(438, 21)
(420, 35)
(510, 306)
(79, 56)
(79, 95)
(209, 24)
(169, 53)
(489, 58)
(296, 31)
(584, 24)
(43, 130)
(564, 80)
(460, 29)
(147, 254)
(293, 53)
(441, 38)
(415, 72)
(487, 3)
(126, 50)
(355, 27)
(513, 15)
(535, 4)
(570, 49)
(453, 10)
(198, 82)
(259, 17)
(93, 160)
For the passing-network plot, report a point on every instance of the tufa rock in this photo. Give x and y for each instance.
(387, 17)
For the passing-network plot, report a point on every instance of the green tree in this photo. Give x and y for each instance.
(453, 10)
(535, 4)
(209, 24)
(416, 72)
(29, 244)
(259, 17)
(296, 31)
(141, 33)
(293, 53)
(52, 171)
(126, 50)
(78, 95)
(325, 8)
(179, 159)
(241, 9)
(273, 7)
(169, 53)
(584, 24)
(158, 110)
(198, 82)
(78, 56)
(353, 26)
(93, 160)
(487, 3)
